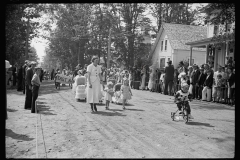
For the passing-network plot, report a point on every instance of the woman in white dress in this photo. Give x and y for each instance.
(94, 83)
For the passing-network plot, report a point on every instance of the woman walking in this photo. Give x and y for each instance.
(94, 83)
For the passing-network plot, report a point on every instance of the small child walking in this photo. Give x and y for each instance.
(126, 92)
(108, 94)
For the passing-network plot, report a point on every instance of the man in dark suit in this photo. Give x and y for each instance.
(195, 75)
(29, 75)
(168, 80)
(199, 84)
(24, 75)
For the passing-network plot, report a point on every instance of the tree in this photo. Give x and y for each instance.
(221, 14)
(16, 29)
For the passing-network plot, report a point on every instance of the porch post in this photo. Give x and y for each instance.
(227, 52)
(207, 53)
(190, 59)
(215, 58)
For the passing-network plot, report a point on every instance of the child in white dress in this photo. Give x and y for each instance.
(126, 92)
(108, 94)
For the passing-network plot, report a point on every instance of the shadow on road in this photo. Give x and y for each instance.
(214, 106)
(108, 113)
(200, 124)
(10, 133)
(134, 109)
(45, 110)
(11, 110)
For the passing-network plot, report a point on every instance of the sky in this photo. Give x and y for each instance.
(40, 44)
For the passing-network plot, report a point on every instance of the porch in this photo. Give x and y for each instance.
(216, 53)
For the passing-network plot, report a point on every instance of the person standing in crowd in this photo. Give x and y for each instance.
(161, 81)
(206, 92)
(143, 77)
(94, 83)
(157, 81)
(52, 74)
(14, 74)
(182, 68)
(151, 82)
(20, 78)
(219, 84)
(214, 89)
(195, 75)
(104, 75)
(199, 84)
(175, 81)
(24, 75)
(147, 77)
(225, 88)
(231, 86)
(168, 80)
(189, 75)
(29, 75)
(35, 88)
(41, 75)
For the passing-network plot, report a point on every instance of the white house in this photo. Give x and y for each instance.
(170, 45)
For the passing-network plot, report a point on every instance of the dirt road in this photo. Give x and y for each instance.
(67, 129)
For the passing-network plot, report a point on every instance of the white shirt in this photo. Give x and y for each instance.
(94, 72)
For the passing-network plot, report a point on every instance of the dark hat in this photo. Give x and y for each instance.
(195, 65)
(36, 68)
(170, 62)
(181, 62)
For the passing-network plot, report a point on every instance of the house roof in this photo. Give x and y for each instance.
(180, 34)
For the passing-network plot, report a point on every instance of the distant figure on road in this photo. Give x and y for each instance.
(168, 80)
(94, 83)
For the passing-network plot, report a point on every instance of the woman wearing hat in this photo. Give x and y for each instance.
(35, 88)
(94, 83)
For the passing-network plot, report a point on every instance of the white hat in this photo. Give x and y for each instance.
(7, 64)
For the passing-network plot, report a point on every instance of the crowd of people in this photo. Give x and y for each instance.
(204, 83)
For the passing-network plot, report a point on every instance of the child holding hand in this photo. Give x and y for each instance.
(126, 92)
(108, 94)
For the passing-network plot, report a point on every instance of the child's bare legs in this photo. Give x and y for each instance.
(107, 104)
(124, 100)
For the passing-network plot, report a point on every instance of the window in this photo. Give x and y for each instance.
(161, 45)
(165, 45)
(162, 63)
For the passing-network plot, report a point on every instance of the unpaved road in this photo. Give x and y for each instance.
(67, 129)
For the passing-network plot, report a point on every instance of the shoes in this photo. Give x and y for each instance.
(92, 109)
(190, 116)
(124, 108)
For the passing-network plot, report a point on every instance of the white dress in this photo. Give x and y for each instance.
(93, 93)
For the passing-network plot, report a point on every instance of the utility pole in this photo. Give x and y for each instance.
(26, 48)
(109, 46)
